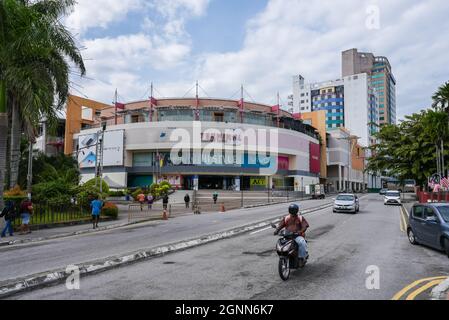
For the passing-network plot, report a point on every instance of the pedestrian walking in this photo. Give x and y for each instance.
(215, 197)
(141, 198)
(165, 201)
(26, 210)
(96, 206)
(9, 213)
(150, 201)
(187, 200)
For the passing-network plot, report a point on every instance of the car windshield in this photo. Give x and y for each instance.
(444, 211)
(393, 194)
(345, 198)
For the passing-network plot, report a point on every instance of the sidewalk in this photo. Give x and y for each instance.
(58, 232)
(138, 217)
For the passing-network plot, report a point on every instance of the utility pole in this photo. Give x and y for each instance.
(101, 158)
(241, 104)
(151, 103)
(442, 158)
(197, 114)
(279, 109)
(115, 105)
(30, 170)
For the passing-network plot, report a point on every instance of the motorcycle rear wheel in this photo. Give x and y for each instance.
(284, 268)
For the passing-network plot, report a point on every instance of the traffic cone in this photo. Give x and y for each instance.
(223, 208)
(164, 215)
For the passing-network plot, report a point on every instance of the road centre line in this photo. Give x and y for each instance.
(427, 286)
(399, 295)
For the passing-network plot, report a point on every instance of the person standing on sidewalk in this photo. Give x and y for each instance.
(215, 197)
(9, 212)
(26, 210)
(141, 198)
(165, 201)
(96, 206)
(150, 201)
(187, 200)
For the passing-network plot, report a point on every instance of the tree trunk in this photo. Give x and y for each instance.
(16, 131)
(3, 139)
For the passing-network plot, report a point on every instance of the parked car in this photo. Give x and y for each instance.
(429, 225)
(383, 191)
(346, 202)
(392, 197)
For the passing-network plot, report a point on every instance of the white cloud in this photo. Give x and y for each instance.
(306, 37)
(99, 13)
(288, 37)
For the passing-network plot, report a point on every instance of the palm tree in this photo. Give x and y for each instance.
(38, 71)
(441, 98)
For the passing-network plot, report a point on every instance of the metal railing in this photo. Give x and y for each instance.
(44, 214)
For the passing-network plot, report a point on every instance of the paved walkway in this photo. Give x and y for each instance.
(126, 217)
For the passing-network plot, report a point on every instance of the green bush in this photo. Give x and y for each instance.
(110, 210)
(136, 193)
(116, 193)
(16, 199)
(91, 183)
(88, 192)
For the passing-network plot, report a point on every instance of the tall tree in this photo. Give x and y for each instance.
(34, 60)
(407, 150)
(441, 98)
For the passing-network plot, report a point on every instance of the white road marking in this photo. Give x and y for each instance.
(254, 232)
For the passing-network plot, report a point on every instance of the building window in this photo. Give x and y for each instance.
(218, 116)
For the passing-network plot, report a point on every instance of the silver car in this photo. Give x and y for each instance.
(347, 202)
(392, 197)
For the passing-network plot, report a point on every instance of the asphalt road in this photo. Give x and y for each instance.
(342, 246)
(23, 260)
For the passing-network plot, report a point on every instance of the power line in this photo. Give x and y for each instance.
(234, 94)
(249, 95)
(204, 91)
(188, 91)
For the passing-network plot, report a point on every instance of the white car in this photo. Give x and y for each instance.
(346, 202)
(392, 197)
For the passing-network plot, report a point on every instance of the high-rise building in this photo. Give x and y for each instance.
(349, 103)
(380, 76)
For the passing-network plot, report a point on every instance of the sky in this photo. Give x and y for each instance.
(262, 44)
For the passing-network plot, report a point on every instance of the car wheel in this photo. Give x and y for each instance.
(446, 246)
(411, 237)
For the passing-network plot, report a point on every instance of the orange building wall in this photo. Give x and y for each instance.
(318, 120)
(74, 120)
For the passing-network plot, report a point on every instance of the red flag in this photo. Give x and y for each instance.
(445, 182)
(275, 108)
(119, 105)
(297, 116)
(240, 104)
(153, 101)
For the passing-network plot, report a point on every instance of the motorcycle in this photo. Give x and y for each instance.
(287, 250)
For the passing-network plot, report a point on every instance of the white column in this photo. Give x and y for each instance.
(339, 185)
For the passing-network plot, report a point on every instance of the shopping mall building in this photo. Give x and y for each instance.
(225, 144)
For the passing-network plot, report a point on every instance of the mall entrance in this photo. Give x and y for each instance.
(210, 182)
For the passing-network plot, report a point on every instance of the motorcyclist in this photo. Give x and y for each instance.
(295, 223)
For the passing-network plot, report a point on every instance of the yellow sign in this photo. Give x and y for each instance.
(262, 181)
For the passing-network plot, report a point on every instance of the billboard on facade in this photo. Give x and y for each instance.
(315, 165)
(112, 149)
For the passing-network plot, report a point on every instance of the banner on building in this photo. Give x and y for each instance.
(314, 151)
(112, 149)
